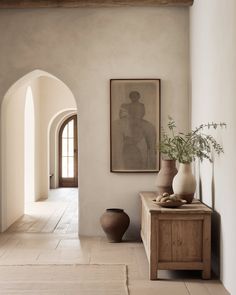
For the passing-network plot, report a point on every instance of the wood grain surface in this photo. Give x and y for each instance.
(89, 3)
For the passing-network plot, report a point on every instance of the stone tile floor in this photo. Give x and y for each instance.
(42, 248)
(48, 235)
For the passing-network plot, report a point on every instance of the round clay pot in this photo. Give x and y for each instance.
(114, 222)
(184, 183)
(165, 176)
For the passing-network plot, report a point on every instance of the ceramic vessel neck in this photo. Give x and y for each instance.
(185, 167)
(115, 210)
(167, 163)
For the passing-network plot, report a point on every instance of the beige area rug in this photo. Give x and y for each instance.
(79, 279)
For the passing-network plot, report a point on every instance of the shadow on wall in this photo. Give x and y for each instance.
(215, 230)
(215, 225)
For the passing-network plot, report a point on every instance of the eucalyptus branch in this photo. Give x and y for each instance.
(186, 147)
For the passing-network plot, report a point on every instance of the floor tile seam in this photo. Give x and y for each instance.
(63, 213)
(187, 288)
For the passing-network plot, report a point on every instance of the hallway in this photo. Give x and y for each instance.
(57, 214)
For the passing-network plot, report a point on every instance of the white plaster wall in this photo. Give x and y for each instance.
(55, 98)
(13, 152)
(213, 64)
(85, 48)
(34, 84)
(13, 181)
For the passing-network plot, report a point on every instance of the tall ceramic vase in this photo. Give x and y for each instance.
(165, 176)
(184, 183)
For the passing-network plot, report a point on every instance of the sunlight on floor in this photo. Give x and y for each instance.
(57, 214)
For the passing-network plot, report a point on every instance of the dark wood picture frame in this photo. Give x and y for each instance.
(135, 122)
(73, 181)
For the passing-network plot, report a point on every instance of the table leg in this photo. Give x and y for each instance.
(153, 248)
(153, 272)
(206, 273)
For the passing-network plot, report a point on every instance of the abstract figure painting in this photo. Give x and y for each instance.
(135, 124)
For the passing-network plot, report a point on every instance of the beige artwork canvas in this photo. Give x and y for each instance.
(135, 122)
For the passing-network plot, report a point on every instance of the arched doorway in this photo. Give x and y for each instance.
(50, 97)
(68, 153)
(54, 146)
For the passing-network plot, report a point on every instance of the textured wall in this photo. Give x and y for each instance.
(54, 99)
(85, 48)
(213, 63)
(13, 161)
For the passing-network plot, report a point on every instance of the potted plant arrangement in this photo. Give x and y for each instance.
(185, 148)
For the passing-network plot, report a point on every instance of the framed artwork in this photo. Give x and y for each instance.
(135, 125)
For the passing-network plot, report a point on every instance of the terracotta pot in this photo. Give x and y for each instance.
(114, 222)
(165, 176)
(184, 183)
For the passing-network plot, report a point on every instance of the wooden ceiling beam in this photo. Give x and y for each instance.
(89, 3)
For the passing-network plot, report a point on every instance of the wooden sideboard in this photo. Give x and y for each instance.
(177, 238)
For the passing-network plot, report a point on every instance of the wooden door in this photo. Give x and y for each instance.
(68, 153)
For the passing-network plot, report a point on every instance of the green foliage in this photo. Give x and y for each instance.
(186, 147)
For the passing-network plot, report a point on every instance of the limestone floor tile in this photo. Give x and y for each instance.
(91, 243)
(63, 256)
(41, 248)
(139, 270)
(135, 273)
(130, 253)
(8, 245)
(19, 256)
(196, 287)
(144, 287)
(79, 243)
(3, 238)
(69, 244)
(112, 256)
(215, 287)
(124, 244)
(34, 243)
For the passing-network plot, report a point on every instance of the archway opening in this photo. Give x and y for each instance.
(27, 112)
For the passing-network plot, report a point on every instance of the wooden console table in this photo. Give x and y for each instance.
(176, 238)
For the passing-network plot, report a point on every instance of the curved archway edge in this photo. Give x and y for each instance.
(22, 82)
